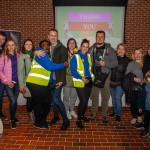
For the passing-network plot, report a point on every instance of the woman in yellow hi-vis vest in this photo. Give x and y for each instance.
(38, 81)
(80, 67)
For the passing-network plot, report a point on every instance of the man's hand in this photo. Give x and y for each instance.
(39, 53)
(66, 64)
(10, 84)
(102, 63)
(58, 85)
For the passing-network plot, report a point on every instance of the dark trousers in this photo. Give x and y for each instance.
(41, 96)
(134, 98)
(146, 119)
(83, 94)
(29, 104)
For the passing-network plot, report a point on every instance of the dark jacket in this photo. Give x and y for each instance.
(118, 72)
(109, 58)
(60, 55)
(146, 65)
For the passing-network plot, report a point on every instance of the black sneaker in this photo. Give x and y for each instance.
(92, 117)
(65, 125)
(54, 120)
(16, 120)
(140, 126)
(112, 114)
(118, 119)
(144, 133)
(3, 117)
(104, 119)
(79, 124)
(36, 125)
(44, 126)
(85, 119)
(13, 124)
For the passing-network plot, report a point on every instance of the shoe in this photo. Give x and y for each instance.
(54, 120)
(16, 120)
(3, 117)
(140, 126)
(73, 114)
(65, 125)
(139, 119)
(112, 114)
(69, 115)
(44, 126)
(79, 124)
(104, 119)
(85, 119)
(92, 117)
(118, 118)
(133, 121)
(31, 118)
(144, 133)
(13, 124)
(36, 125)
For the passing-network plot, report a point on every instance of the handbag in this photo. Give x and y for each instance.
(100, 79)
(114, 84)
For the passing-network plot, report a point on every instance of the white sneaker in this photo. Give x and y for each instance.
(73, 114)
(133, 121)
(69, 115)
(139, 119)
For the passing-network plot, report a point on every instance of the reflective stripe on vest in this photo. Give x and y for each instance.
(38, 75)
(80, 70)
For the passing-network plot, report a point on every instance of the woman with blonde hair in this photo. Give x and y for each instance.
(9, 76)
(135, 67)
(117, 75)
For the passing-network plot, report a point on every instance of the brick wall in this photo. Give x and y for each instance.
(34, 18)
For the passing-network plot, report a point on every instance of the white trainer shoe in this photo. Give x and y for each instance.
(139, 119)
(73, 114)
(69, 115)
(133, 121)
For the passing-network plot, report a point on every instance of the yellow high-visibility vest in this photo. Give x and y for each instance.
(80, 70)
(38, 75)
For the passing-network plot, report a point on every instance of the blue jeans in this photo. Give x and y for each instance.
(116, 95)
(12, 95)
(1, 95)
(57, 104)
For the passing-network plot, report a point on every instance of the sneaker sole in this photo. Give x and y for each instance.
(145, 135)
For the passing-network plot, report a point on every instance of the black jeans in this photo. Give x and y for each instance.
(83, 94)
(134, 99)
(29, 104)
(146, 119)
(41, 96)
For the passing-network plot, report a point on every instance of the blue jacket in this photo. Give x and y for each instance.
(47, 64)
(73, 66)
(144, 103)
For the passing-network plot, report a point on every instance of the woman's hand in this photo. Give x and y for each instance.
(10, 84)
(39, 53)
(66, 64)
(85, 80)
(22, 90)
(137, 80)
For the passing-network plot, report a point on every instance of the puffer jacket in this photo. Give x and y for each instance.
(118, 72)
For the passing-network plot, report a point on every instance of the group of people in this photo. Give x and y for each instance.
(42, 73)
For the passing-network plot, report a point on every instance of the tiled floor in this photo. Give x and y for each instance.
(95, 136)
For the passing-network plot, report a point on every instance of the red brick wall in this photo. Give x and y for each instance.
(34, 18)
(138, 24)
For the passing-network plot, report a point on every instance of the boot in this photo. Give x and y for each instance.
(65, 125)
(31, 118)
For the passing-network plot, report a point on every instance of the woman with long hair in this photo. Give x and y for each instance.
(9, 76)
(24, 67)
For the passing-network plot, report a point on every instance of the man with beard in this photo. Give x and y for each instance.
(104, 58)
